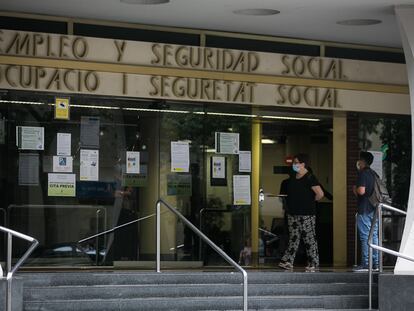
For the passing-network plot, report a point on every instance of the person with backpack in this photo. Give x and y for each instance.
(302, 190)
(363, 190)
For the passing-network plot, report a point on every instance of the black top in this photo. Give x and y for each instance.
(365, 179)
(301, 197)
(284, 186)
(284, 190)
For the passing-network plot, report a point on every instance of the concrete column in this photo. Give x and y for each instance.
(150, 194)
(405, 18)
(339, 189)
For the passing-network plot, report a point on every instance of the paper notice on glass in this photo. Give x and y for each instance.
(30, 137)
(132, 162)
(64, 143)
(179, 184)
(89, 165)
(377, 163)
(218, 167)
(28, 169)
(61, 185)
(227, 143)
(89, 132)
(62, 164)
(245, 161)
(241, 190)
(180, 156)
(136, 180)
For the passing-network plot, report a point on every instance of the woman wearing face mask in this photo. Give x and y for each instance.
(303, 190)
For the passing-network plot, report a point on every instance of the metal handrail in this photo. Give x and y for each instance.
(115, 228)
(380, 248)
(356, 241)
(268, 232)
(202, 236)
(99, 209)
(10, 270)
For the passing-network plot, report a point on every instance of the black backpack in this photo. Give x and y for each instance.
(379, 193)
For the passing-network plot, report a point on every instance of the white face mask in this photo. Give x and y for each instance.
(358, 165)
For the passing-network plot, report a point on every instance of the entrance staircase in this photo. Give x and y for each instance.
(135, 291)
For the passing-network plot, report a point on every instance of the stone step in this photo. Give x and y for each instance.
(307, 309)
(192, 290)
(224, 303)
(123, 278)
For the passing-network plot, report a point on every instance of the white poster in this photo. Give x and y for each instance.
(227, 143)
(61, 185)
(132, 162)
(180, 156)
(62, 164)
(218, 167)
(89, 165)
(241, 190)
(245, 161)
(64, 142)
(377, 163)
(30, 137)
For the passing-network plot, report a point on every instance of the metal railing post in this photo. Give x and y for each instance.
(158, 234)
(9, 251)
(97, 238)
(380, 248)
(200, 243)
(244, 290)
(370, 278)
(9, 262)
(11, 270)
(356, 241)
(380, 237)
(370, 253)
(206, 240)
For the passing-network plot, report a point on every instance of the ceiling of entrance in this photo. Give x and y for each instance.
(311, 19)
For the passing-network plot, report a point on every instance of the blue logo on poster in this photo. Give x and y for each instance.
(62, 161)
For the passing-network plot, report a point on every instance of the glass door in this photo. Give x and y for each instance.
(285, 134)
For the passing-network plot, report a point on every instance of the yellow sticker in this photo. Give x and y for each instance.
(62, 108)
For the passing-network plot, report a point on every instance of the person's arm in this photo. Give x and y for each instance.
(359, 189)
(283, 186)
(318, 192)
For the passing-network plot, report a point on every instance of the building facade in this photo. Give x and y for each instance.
(101, 119)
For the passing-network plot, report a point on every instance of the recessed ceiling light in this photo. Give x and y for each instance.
(288, 118)
(256, 12)
(359, 22)
(267, 141)
(145, 1)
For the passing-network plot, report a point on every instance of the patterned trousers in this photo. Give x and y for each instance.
(302, 227)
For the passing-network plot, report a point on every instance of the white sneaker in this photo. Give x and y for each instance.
(285, 265)
(310, 269)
